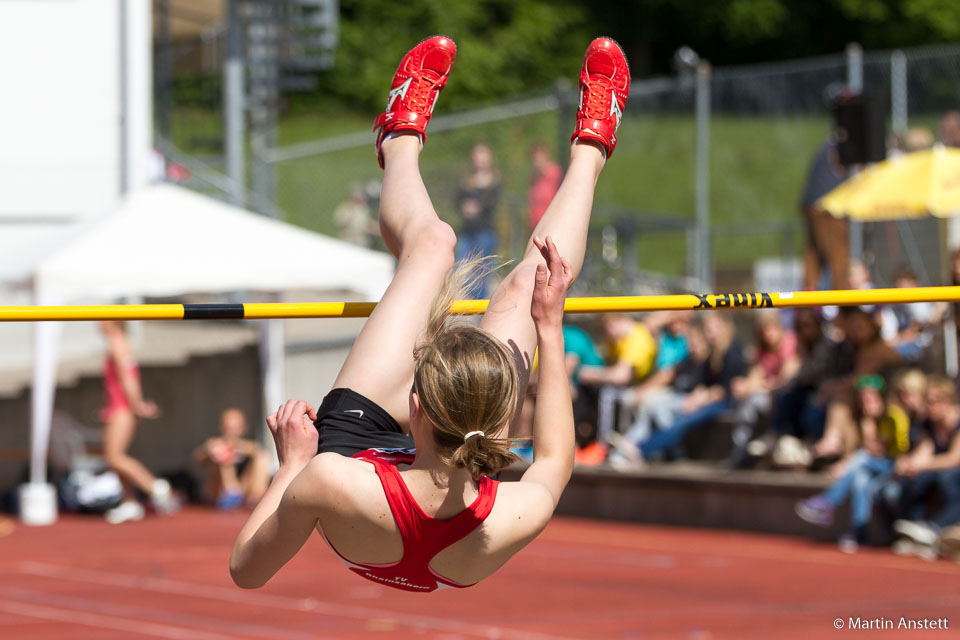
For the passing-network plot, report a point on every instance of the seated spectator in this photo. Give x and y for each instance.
(885, 433)
(709, 399)
(933, 466)
(798, 411)
(914, 321)
(672, 329)
(775, 363)
(631, 354)
(237, 469)
(870, 355)
(661, 405)
(579, 351)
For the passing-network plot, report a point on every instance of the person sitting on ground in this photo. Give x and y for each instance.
(933, 466)
(885, 434)
(434, 517)
(236, 469)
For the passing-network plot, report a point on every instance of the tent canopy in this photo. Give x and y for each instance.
(165, 240)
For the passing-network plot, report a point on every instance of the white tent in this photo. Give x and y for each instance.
(165, 240)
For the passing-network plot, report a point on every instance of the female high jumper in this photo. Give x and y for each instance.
(434, 517)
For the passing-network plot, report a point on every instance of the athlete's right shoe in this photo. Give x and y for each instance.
(417, 83)
(604, 87)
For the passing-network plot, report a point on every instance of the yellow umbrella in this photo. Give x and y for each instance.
(908, 186)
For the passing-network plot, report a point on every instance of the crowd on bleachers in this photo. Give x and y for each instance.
(855, 392)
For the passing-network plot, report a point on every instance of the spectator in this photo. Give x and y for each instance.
(579, 350)
(123, 404)
(798, 412)
(950, 129)
(827, 237)
(671, 328)
(776, 362)
(710, 398)
(934, 465)
(661, 405)
(885, 433)
(871, 355)
(631, 353)
(477, 199)
(236, 469)
(914, 321)
(353, 220)
(547, 175)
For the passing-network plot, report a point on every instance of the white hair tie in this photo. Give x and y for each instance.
(473, 433)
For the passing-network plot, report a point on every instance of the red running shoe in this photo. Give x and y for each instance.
(604, 87)
(419, 79)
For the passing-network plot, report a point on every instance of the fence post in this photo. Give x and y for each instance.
(855, 85)
(704, 262)
(898, 92)
(233, 107)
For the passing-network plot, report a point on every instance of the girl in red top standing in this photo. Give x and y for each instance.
(123, 404)
(434, 518)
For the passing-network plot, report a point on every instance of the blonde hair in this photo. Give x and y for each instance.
(466, 380)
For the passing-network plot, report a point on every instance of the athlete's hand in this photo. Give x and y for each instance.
(294, 433)
(553, 279)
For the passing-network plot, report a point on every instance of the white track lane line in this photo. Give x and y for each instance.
(312, 605)
(195, 622)
(96, 620)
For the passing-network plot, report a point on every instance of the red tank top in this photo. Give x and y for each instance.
(423, 537)
(114, 396)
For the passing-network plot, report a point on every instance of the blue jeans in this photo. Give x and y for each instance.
(672, 434)
(914, 493)
(862, 481)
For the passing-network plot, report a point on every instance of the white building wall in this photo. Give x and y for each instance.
(61, 113)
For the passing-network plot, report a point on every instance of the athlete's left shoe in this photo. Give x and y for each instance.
(418, 81)
(604, 87)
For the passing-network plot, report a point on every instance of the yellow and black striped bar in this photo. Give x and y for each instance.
(615, 304)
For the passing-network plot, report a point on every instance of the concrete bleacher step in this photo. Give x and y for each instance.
(696, 495)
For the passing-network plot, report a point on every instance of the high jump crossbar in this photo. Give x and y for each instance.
(616, 304)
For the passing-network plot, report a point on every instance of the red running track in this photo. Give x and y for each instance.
(167, 578)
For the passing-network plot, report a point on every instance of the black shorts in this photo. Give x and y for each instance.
(350, 423)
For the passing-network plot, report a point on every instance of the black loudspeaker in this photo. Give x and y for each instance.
(859, 128)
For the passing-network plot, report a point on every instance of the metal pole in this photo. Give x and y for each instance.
(163, 69)
(704, 263)
(898, 92)
(855, 85)
(616, 304)
(234, 107)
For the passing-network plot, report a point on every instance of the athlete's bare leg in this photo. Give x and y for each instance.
(566, 220)
(380, 364)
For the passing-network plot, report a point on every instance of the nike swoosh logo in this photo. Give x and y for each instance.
(356, 411)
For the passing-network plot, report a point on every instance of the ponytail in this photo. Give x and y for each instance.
(466, 380)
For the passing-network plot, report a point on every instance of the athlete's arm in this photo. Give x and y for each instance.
(284, 517)
(553, 438)
(122, 357)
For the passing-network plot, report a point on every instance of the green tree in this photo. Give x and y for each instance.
(503, 47)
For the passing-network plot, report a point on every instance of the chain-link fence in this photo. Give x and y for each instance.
(742, 170)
